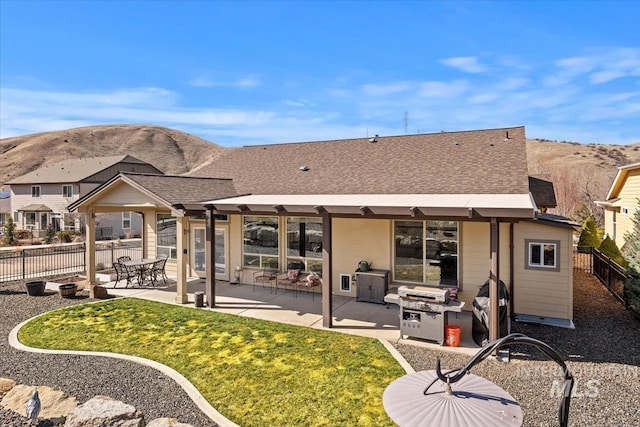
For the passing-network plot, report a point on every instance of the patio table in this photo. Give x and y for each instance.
(142, 267)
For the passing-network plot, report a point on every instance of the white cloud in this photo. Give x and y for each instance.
(205, 82)
(437, 89)
(384, 90)
(468, 64)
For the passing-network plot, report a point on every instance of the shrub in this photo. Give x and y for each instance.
(610, 249)
(65, 236)
(9, 231)
(100, 266)
(49, 234)
(589, 235)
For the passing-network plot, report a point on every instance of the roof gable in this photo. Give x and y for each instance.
(483, 161)
(164, 190)
(73, 170)
(619, 180)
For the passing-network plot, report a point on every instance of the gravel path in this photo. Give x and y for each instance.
(83, 377)
(603, 352)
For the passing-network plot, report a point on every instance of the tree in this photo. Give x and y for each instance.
(632, 255)
(610, 249)
(9, 231)
(49, 234)
(589, 236)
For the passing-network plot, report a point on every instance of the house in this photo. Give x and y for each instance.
(447, 210)
(622, 200)
(40, 198)
(5, 206)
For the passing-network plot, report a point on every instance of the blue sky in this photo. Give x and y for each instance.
(241, 73)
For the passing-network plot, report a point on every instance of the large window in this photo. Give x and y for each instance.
(542, 254)
(30, 218)
(426, 252)
(166, 243)
(260, 241)
(304, 243)
(67, 190)
(35, 191)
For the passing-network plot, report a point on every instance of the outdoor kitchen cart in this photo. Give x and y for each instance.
(424, 311)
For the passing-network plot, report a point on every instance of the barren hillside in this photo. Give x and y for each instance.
(171, 151)
(582, 173)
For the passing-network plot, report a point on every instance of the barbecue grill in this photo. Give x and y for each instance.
(424, 311)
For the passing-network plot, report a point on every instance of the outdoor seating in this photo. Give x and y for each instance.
(309, 283)
(291, 277)
(263, 276)
(124, 272)
(124, 258)
(157, 271)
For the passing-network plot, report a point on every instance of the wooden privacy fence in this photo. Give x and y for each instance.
(21, 263)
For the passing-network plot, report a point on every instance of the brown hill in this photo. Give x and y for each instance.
(169, 150)
(582, 173)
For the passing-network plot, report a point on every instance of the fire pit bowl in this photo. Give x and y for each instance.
(68, 290)
(36, 288)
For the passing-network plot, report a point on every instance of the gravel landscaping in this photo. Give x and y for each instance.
(602, 352)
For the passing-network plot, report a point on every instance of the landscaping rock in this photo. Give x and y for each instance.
(6, 384)
(100, 292)
(102, 411)
(53, 403)
(167, 422)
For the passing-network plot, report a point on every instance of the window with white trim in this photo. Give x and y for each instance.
(126, 220)
(166, 235)
(542, 254)
(260, 246)
(304, 243)
(624, 210)
(35, 191)
(67, 191)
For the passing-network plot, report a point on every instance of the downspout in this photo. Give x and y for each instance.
(511, 272)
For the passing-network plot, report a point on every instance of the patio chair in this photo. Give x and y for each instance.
(158, 270)
(124, 273)
(291, 277)
(266, 275)
(124, 258)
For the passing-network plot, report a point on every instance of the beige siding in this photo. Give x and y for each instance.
(475, 261)
(543, 293)
(629, 195)
(355, 240)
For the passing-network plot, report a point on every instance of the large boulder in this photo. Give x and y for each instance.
(6, 384)
(103, 411)
(54, 404)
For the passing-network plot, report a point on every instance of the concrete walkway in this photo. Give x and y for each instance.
(304, 309)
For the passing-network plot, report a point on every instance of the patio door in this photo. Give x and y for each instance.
(199, 250)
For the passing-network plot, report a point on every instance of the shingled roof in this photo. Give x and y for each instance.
(73, 170)
(170, 190)
(183, 189)
(469, 162)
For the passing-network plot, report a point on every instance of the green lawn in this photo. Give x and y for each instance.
(255, 372)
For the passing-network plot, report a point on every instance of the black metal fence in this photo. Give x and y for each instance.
(49, 260)
(610, 274)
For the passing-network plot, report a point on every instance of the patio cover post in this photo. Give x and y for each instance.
(327, 272)
(494, 327)
(90, 248)
(210, 250)
(182, 231)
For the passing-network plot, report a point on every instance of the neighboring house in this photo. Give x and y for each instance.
(446, 210)
(621, 203)
(41, 197)
(5, 206)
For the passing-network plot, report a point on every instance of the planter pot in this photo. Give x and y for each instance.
(36, 288)
(68, 290)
